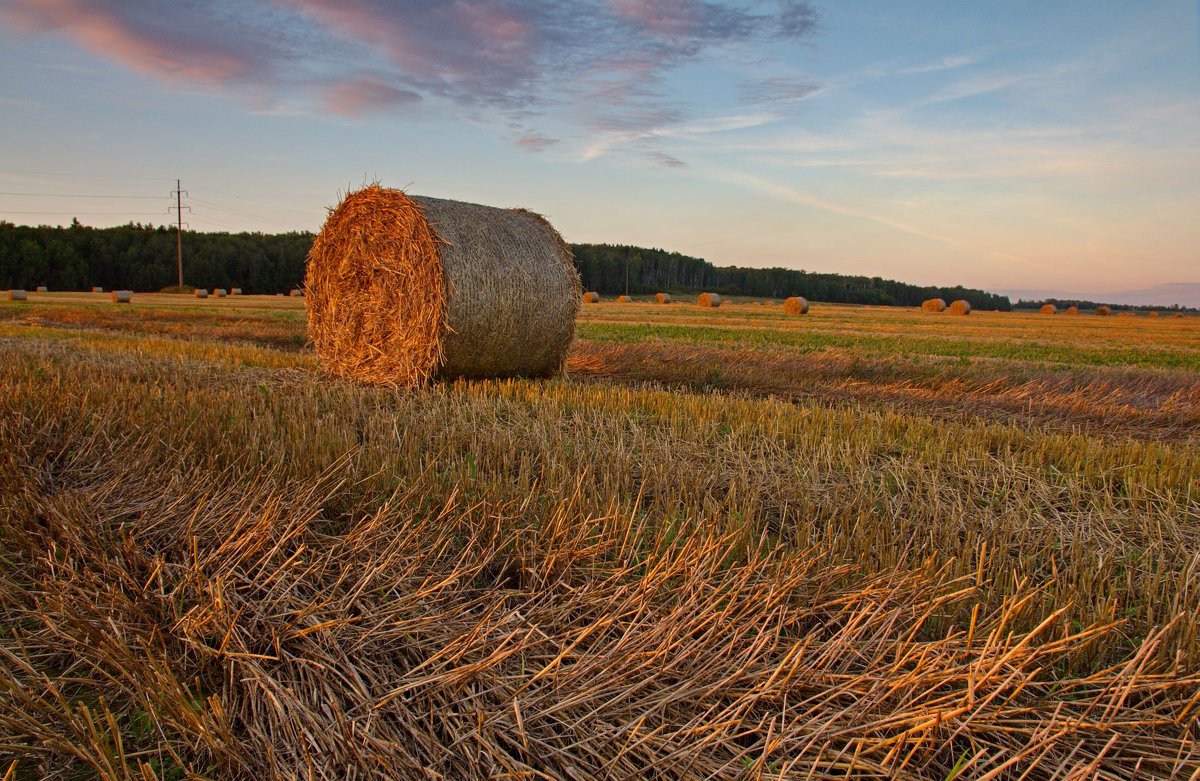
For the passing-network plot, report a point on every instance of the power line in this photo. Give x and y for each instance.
(89, 214)
(75, 195)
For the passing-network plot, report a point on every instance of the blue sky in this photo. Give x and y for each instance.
(1016, 146)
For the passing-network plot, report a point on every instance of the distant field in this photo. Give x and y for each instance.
(729, 543)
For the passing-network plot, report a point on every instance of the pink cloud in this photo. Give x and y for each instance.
(161, 51)
(355, 97)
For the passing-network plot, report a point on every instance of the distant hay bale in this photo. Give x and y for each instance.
(591, 297)
(1072, 310)
(296, 293)
(122, 296)
(1179, 314)
(769, 302)
(17, 295)
(1125, 314)
(960, 307)
(796, 305)
(237, 291)
(1152, 313)
(662, 298)
(1049, 309)
(43, 289)
(97, 290)
(624, 300)
(712, 300)
(1103, 310)
(200, 293)
(934, 305)
(402, 289)
(220, 292)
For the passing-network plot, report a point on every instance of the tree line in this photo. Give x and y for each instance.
(142, 257)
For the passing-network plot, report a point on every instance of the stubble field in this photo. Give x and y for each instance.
(730, 543)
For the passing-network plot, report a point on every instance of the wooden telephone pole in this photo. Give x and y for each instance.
(179, 192)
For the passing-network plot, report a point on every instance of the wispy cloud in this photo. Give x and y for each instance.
(512, 59)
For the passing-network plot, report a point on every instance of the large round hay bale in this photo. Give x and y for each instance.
(17, 295)
(122, 296)
(709, 299)
(200, 292)
(591, 297)
(1049, 309)
(1072, 310)
(934, 305)
(1152, 313)
(296, 293)
(1103, 310)
(960, 307)
(401, 289)
(43, 289)
(662, 298)
(1179, 314)
(796, 305)
(97, 290)
(624, 300)
(235, 291)
(1124, 313)
(220, 292)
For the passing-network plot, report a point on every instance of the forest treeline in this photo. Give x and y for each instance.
(142, 257)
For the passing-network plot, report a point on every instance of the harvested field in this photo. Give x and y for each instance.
(729, 543)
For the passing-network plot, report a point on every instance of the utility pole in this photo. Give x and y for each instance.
(178, 192)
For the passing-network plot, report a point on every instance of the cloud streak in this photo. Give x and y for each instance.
(516, 60)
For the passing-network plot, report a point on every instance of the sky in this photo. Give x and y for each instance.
(1029, 148)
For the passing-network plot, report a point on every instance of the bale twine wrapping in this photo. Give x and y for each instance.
(624, 300)
(1103, 310)
(960, 307)
(1072, 310)
(17, 295)
(122, 296)
(796, 305)
(220, 292)
(236, 291)
(200, 293)
(709, 300)
(43, 289)
(1049, 309)
(662, 298)
(402, 289)
(97, 290)
(934, 305)
(591, 297)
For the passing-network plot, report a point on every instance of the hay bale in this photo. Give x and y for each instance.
(17, 295)
(43, 289)
(960, 307)
(662, 298)
(237, 291)
(624, 300)
(1179, 314)
(1072, 310)
(122, 296)
(712, 300)
(591, 297)
(1103, 310)
(1049, 309)
(933, 305)
(796, 305)
(1125, 314)
(220, 292)
(402, 289)
(97, 290)
(769, 302)
(296, 293)
(1152, 313)
(200, 293)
